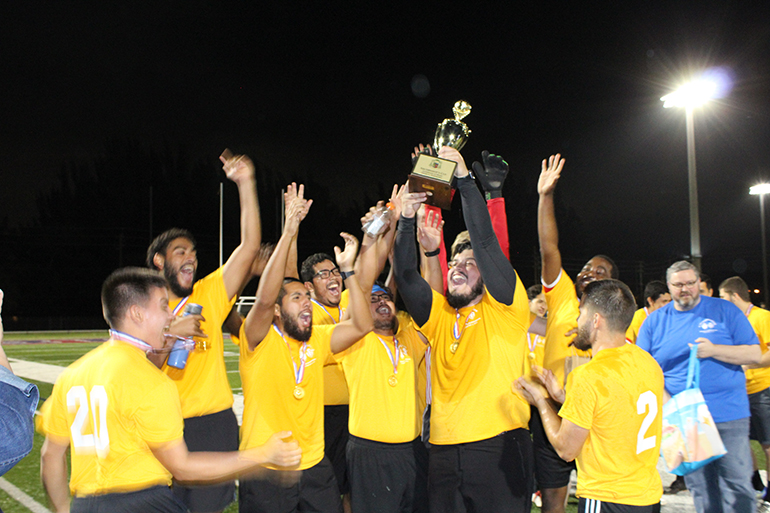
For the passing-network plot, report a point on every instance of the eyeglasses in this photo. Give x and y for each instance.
(325, 274)
(470, 262)
(680, 286)
(376, 298)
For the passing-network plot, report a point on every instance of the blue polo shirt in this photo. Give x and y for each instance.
(666, 335)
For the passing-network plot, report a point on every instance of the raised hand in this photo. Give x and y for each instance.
(408, 202)
(421, 150)
(549, 174)
(237, 167)
(449, 153)
(296, 210)
(187, 326)
(429, 232)
(347, 257)
(491, 174)
(293, 192)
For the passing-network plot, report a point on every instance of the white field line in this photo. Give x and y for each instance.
(22, 498)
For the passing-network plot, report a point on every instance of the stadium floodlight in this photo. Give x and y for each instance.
(760, 190)
(692, 94)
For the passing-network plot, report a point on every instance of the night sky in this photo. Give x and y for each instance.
(342, 92)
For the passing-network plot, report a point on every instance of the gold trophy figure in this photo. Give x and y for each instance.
(434, 175)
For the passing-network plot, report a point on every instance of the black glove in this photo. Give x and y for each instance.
(492, 174)
(427, 150)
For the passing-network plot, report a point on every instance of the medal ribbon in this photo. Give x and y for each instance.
(394, 361)
(299, 374)
(339, 311)
(531, 342)
(456, 332)
(427, 375)
(180, 307)
(748, 310)
(130, 339)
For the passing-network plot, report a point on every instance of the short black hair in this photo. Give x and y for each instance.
(614, 272)
(461, 247)
(704, 278)
(126, 287)
(653, 290)
(282, 292)
(534, 291)
(613, 300)
(161, 242)
(306, 271)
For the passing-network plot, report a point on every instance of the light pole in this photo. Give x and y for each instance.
(760, 190)
(689, 96)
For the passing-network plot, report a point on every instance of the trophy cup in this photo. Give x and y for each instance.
(434, 175)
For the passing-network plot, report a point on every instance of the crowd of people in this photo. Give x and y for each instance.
(472, 397)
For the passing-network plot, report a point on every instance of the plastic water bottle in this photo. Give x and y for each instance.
(183, 346)
(376, 225)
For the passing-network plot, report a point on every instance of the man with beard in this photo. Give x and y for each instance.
(322, 278)
(481, 452)
(725, 341)
(281, 365)
(203, 385)
(553, 473)
(386, 463)
(611, 419)
(122, 416)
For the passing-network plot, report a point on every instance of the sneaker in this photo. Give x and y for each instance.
(756, 481)
(677, 486)
(763, 507)
(537, 499)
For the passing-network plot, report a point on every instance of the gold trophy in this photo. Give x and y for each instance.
(434, 175)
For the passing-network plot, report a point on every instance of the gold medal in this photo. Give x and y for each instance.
(453, 347)
(532, 355)
(299, 392)
(393, 380)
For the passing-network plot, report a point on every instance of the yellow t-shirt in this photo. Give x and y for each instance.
(383, 410)
(335, 388)
(563, 311)
(472, 398)
(202, 384)
(136, 407)
(618, 396)
(759, 379)
(534, 349)
(636, 323)
(269, 403)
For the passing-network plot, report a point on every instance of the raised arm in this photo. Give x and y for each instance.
(292, 271)
(236, 271)
(430, 235)
(499, 277)
(260, 316)
(413, 288)
(492, 175)
(359, 317)
(547, 230)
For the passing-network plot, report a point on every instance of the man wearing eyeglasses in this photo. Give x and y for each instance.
(322, 278)
(725, 341)
(386, 470)
(481, 450)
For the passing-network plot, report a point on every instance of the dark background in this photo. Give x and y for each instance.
(113, 117)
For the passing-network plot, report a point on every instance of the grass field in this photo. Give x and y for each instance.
(61, 349)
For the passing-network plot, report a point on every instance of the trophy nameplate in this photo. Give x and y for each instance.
(434, 175)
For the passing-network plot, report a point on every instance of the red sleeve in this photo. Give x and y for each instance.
(496, 207)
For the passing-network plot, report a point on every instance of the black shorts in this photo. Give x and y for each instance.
(335, 441)
(760, 416)
(596, 506)
(217, 432)
(387, 477)
(550, 470)
(157, 499)
(313, 489)
(488, 475)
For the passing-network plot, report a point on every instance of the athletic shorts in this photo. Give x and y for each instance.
(312, 489)
(550, 470)
(488, 475)
(217, 432)
(596, 506)
(387, 477)
(335, 441)
(760, 416)
(157, 499)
